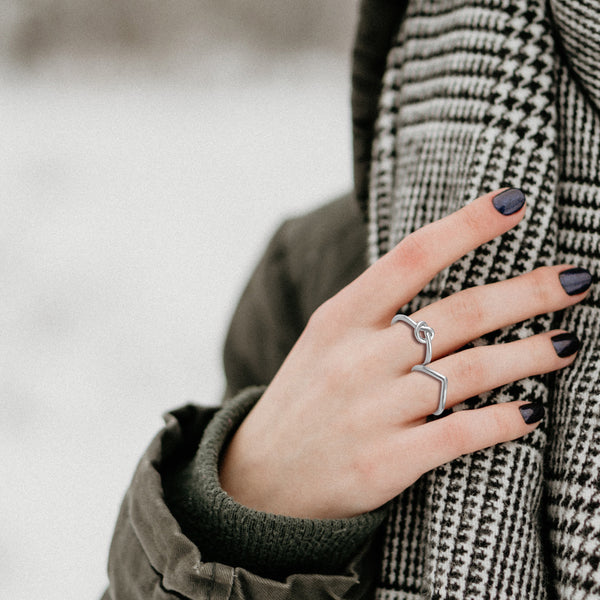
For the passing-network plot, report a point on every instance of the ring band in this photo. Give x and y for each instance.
(424, 335)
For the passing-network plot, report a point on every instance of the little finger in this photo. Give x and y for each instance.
(441, 441)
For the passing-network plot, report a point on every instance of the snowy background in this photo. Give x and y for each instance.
(148, 151)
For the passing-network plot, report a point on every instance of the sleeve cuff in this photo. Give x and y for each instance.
(230, 533)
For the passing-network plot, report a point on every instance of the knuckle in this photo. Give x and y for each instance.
(465, 307)
(315, 322)
(334, 314)
(471, 221)
(326, 316)
(414, 250)
(321, 327)
(321, 315)
(500, 425)
(473, 367)
(542, 280)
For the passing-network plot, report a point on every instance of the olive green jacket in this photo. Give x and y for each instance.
(178, 534)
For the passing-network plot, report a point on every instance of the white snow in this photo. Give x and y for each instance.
(133, 208)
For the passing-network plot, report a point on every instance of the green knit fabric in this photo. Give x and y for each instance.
(232, 534)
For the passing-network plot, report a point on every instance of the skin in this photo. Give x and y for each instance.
(342, 428)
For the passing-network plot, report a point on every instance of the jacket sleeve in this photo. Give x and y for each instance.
(179, 535)
(151, 557)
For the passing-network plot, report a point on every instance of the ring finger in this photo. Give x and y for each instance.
(477, 370)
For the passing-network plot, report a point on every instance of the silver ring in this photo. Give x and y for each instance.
(424, 335)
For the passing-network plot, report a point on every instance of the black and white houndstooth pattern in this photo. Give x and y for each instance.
(480, 94)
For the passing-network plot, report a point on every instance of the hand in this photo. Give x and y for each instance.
(342, 428)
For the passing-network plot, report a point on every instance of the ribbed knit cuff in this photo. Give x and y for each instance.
(267, 544)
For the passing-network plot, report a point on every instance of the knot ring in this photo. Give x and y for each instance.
(424, 335)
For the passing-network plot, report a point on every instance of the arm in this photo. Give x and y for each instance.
(343, 426)
(150, 556)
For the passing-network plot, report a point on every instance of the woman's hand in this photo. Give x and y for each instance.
(342, 428)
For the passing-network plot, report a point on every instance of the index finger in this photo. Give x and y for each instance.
(397, 277)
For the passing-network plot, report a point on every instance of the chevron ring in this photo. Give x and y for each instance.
(424, 335)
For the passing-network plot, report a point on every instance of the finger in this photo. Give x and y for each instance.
(443, 440)
(471, 313)
(399, 275)
(477, 370)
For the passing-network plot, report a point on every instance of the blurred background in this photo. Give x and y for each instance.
(148, 151)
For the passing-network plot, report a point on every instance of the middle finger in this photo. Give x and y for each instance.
(471, 313)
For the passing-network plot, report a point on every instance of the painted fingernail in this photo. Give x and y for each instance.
(532, 412)
(509, 201)
(565, 344)
(575, 281)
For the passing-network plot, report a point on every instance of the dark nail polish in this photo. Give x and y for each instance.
(532, 412)
(509, 201)
(565, 344)
(575, 281)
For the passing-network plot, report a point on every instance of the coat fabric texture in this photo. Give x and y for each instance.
(451, 99)
(479, 95)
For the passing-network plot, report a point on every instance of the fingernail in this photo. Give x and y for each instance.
(532, 412)
(575, 281)
(565, 344)
(509, 201)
